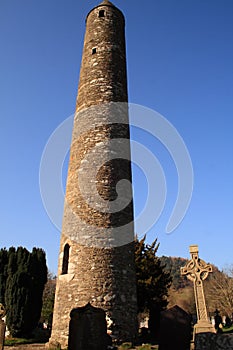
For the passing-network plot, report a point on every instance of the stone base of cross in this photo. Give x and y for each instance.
(203, 327)
(197, 271)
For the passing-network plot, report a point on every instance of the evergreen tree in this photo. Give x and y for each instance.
(153, 281)
(27, 274)
(12, 264)
(3, 274)
(38, 272)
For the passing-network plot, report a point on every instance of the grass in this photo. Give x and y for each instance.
(39, 336)
(125, 346)
(145, 347)
(128, 346)
(18, 341)
(228, 330)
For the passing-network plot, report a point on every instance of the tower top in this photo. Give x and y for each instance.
(105, 3)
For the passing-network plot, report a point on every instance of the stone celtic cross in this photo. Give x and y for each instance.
(197, 271)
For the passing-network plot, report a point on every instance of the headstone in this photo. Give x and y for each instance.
(154, 322)
(2, 326)
(144, 322)
(218, 321)
(175, 329)
(197, 271)
(212, 320)
(88, 329)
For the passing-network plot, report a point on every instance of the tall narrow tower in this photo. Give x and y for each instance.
(96, 261)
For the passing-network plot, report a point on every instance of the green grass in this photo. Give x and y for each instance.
(18, 341)
(39, 336)
(128, 346)
(145, 347)
(228, 330)
(125, 346)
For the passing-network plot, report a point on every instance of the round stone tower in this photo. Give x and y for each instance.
(96, 260)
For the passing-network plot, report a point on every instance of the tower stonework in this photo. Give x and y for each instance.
(96, 259)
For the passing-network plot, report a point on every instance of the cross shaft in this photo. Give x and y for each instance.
(197, 271)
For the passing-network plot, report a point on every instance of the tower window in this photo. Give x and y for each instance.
(65, 262)
(93, 50)
(101, 13)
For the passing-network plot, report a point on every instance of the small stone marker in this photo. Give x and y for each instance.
(197, 271)
(2, 326)
(175, 329)
(88, 329)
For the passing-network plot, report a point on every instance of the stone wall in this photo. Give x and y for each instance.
(212, 341)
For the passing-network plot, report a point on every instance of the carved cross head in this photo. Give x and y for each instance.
(196, 269)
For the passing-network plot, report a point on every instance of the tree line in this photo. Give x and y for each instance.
(27, 296)
(23, 275)
(218, 288)
(25, 293)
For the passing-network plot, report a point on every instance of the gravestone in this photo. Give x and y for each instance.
(88, 329)
(197, 271)
(175, 329)
(2, 326)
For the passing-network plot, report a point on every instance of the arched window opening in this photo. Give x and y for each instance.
(93, 50)
(65, 262)
(101, 13)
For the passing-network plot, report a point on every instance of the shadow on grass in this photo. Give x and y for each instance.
(39, 336)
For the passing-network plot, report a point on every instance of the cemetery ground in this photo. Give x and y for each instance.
(42, 347)
(39, 344)
(25, 344)
(124, 346)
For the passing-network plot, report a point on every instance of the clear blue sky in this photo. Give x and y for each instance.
(180, 63)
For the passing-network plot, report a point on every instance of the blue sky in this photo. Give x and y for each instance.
(180, 63)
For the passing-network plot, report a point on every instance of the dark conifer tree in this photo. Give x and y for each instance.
(24, 289)
(38, 273)
(3, 274)
(153, 281)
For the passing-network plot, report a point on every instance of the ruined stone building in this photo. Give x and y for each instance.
(96, 259)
